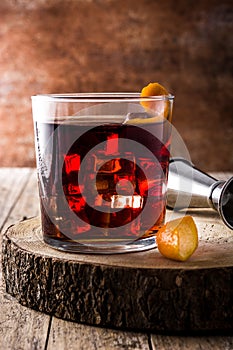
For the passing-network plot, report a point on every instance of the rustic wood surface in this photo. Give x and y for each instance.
(24, 328)
(140, 291)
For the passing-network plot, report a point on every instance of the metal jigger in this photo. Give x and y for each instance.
(191, 187)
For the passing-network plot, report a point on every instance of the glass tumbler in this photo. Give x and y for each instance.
(102, 164)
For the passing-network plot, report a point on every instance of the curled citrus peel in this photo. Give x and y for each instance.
(178, 239)
(158, 109)
(152, 89)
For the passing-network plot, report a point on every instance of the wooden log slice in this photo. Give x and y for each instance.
(139, 291)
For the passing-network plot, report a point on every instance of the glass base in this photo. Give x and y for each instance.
(98, 248)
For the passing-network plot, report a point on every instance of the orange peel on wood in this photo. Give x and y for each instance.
(178, 239)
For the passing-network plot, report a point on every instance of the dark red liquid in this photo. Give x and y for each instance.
(94, 180)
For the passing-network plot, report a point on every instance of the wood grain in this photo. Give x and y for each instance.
(141, 291)
(11, 185)
(20, 327)
(23, 328)
(72, 336)
(164, 342)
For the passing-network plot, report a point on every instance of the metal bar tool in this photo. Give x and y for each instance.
(189, 187)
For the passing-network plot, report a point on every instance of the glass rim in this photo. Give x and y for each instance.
(101, 97)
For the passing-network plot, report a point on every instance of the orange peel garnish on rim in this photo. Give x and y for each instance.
(161, 106)
(153, 89)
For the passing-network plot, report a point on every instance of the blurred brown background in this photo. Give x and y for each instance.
(51, 46)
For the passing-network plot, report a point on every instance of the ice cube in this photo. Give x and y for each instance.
(72, 163)
(110, 166)
(119, 201)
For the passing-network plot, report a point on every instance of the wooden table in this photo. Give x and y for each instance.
(23, 328)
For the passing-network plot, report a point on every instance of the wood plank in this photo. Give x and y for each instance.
(73, 336)
(12, 181)
(164, 342)
(27, 204)
(18, 196)
(20, 327)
